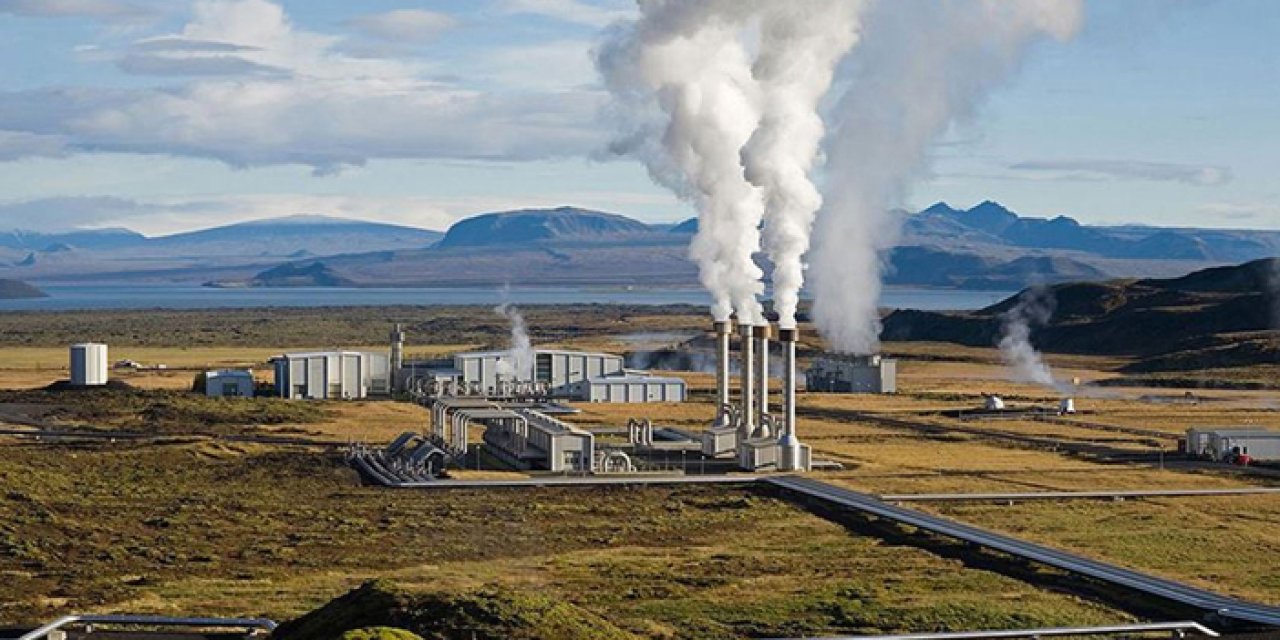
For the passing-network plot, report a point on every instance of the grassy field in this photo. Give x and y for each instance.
(214, 529)
(289, 328)
(205, 527)
(1225, 544)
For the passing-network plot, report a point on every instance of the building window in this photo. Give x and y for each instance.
(542, 367)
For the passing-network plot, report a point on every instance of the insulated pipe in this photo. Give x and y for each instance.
(761, 334)
(723, 329)
(747, 429)
(788, 443)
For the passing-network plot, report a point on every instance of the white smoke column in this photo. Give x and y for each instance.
(519, 366)
(921, 66)
(686, 63)
(1034, 308)
(801, 41)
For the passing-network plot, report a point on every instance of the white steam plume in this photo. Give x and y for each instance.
(681, 80)
(1034, 308)
(922, 65)
(518, 365)
(801, 41)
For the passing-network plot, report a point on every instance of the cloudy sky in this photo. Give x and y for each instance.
(167, 115)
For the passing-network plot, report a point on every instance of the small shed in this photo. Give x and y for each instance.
(229, 383)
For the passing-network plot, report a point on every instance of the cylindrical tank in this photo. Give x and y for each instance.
(88, 364)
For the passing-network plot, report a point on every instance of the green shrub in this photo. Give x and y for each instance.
(380, 633)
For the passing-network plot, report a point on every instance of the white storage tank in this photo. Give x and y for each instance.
(88, 364)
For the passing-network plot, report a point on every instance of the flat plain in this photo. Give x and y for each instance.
(195, 524)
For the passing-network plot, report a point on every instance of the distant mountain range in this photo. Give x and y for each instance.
(983, 247)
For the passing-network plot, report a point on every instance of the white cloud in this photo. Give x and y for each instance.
(404, 25)
(574, 11)
(526, 66)
(1267, 213)
(263, 91)
(19, 144)
(1076, 170)
(98, 9)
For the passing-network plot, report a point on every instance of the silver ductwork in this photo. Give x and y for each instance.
(748, 426)
(790, 457)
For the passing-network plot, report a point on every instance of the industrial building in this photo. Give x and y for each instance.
(559, 370)
(631, 388)
(229, 383)
(852, 374)
(1230, 444)
(332, 375)
(89, 364)
(571, 375)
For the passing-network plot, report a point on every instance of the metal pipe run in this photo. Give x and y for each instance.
(761, 334)
(748, 426)
(152, 621)
(1176, 629)
(723, 329)
(788, 443)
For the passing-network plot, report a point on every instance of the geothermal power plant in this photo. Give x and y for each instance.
(526, 418)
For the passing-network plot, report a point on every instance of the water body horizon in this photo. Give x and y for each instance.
(141, 297)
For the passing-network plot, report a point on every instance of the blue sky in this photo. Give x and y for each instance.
(166, 115)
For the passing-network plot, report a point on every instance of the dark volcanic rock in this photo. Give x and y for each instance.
(315, 274)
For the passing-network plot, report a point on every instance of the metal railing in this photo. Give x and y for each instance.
(150, 621)
(1175, 629)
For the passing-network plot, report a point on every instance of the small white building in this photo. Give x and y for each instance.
(631, 388)
(89, 364)
(332, 375)
(852, 374)
(229, 383)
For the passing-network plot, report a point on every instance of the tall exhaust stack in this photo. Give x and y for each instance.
(789, 455)
(761, 334)
(723, 329)
(748, 427)
(397, 356)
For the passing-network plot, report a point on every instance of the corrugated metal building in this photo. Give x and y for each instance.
(89, 364)
(332, 375)
(559, 370)
(852, 374)
(228, 383)
(1219, 443)
(631, 388)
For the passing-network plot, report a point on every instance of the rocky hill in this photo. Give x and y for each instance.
(542, 225)
(18, 290)
(314, 274)
(1212, 312)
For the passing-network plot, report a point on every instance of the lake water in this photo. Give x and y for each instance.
(78, 297)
